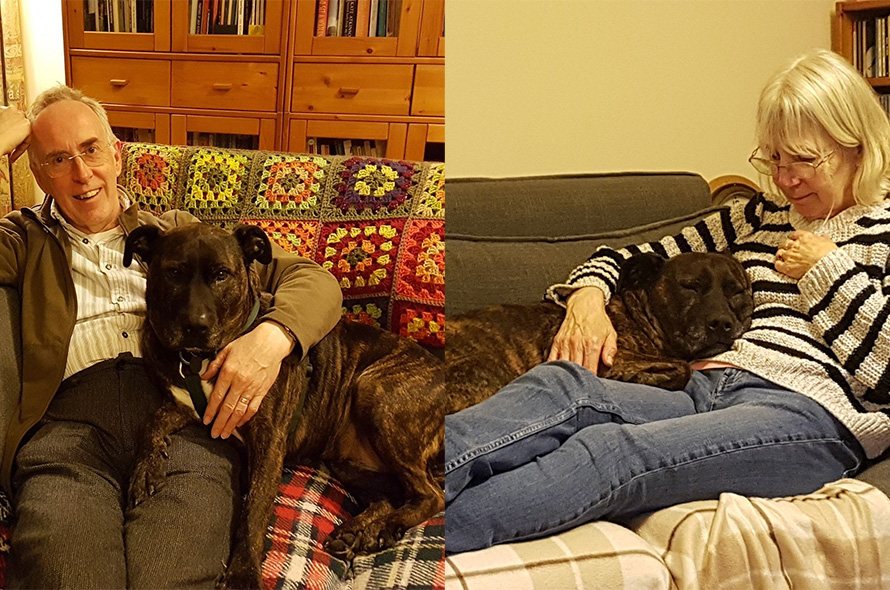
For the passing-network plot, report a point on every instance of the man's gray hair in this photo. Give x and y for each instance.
(62, 92)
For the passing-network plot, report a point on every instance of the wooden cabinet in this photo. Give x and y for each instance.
(276, 79)
(861, 33)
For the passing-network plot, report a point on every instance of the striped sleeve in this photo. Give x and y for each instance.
(714, 233)
(852, 310)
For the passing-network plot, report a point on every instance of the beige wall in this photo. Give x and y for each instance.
(552, 86)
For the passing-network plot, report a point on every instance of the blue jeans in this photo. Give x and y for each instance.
(559, 447)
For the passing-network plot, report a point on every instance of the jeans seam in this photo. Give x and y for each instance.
(522, 433)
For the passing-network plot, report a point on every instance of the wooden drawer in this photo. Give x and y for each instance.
(366, 89)
(429, 91)
(236, 86)
(123, 81)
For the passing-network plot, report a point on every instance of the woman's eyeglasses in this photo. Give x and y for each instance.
(802, 170)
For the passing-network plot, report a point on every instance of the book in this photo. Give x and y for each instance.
(193, 16)
(372, 26)
(199, 18)
(350, 11)
(362, 18)
(116, 16)
(321, 20)
(333, 29)
(381, 17)
(347, 147)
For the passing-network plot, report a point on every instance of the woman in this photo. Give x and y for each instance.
(802, 398)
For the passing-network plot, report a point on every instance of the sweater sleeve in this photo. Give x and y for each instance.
(715, 233)
(852, 308)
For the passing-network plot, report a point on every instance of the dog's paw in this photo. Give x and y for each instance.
(148, 478)
(238, 578)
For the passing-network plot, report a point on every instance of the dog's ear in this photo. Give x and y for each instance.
(254, 243)
(141, 241)
(640, 271)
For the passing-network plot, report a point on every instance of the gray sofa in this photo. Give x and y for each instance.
(506, 241)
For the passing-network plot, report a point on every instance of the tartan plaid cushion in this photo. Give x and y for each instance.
(309, 505)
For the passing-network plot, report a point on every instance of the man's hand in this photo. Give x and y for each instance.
(800, 252)
(15, 132)
(586, 336)
(244, 371)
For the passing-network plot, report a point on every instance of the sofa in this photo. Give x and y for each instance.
(507, 240)
(378, 226)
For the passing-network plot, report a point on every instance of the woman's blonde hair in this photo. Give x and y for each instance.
(821, 95)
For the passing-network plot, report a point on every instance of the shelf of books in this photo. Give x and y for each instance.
(381, 28)
(861, 33)
(228, 26)
(118, 24)
(349, 138)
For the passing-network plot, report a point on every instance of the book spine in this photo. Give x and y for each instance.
(381, 18)
(321, 22)
(334, 18)
(372, 27)
(350, 9)
(362, 18)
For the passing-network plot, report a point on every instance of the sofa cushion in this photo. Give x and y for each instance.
(598, 555)
(486, 270)
(836, 537)
(376, 224)
(571, 204)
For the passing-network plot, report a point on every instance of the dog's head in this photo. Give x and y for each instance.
(702, 302)
(200, 287)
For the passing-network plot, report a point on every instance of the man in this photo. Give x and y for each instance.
(85, 395)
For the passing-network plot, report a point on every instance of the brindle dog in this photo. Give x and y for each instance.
(372, 407)
(666, 313)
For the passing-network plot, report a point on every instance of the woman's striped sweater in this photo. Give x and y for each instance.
(827, 335)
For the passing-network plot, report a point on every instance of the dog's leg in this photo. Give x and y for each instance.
(266, 438)
(150, 473)
(405, 428)
(666, 373)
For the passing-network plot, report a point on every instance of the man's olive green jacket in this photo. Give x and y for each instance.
(35, 259)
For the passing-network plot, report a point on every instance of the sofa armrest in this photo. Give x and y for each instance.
(10, 357)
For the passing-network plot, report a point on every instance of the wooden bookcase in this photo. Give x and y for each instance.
(280, 87)
(850, 38)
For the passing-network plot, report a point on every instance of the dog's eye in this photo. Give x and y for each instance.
(692, 285)
(220, 275)
(174, 273)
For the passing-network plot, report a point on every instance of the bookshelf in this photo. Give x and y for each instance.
(861, 33)
(265, 74)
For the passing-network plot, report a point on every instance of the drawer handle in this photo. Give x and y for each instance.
(120, 83)
(222, 87)
(349, 91)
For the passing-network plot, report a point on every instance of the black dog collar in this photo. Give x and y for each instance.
(191, 365)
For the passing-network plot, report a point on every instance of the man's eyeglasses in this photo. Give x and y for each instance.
(802, 170)
(62, 164)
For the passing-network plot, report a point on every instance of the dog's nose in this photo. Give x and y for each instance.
(195, 331)
(720, 326)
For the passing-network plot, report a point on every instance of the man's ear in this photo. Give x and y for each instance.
(254, 243)
(640, 271)
(141, 241)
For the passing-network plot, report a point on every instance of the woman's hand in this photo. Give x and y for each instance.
(586, 336)
(800, 252)
(245, 371)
